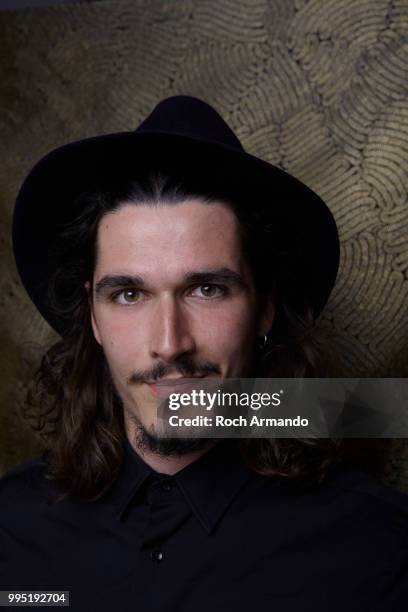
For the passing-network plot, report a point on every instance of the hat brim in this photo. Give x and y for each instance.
(61, 176)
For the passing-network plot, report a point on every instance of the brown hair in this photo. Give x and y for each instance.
(79, 415)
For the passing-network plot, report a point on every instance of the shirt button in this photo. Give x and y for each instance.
(167, 486)
(156, 555)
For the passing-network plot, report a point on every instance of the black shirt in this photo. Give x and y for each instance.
(213, 537)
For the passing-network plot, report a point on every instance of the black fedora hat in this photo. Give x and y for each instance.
(183, 135)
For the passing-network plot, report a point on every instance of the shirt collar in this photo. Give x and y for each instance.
(209, 484)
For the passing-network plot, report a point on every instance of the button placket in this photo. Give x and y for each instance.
(167, 512)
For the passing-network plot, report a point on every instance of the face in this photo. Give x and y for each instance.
(173, 296)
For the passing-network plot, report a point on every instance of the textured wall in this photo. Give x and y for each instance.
(318, 87)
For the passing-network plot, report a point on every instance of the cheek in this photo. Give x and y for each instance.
(230, 332)
(121, 343)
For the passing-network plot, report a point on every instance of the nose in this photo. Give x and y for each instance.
(170, 334)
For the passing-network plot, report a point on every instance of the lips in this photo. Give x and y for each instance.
(163, 388)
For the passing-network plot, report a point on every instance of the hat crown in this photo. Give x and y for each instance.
(190, 117)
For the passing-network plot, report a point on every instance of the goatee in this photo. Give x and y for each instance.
(168, 447)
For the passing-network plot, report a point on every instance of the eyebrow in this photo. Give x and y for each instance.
(215, 276)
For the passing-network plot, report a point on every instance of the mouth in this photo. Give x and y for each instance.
(165, 387)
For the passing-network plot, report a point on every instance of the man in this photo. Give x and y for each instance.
(162, 255)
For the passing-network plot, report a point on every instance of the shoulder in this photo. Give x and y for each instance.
(21, 474)
(372, 521)
(22, 487)
(371, 515)
(366, 489)
(347, 502)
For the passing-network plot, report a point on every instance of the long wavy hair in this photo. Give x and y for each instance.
(78, 413)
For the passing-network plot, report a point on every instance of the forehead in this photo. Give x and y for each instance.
(169, 237)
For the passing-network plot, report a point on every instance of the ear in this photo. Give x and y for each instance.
(93, 321)
(266, 315)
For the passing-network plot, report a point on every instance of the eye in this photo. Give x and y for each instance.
(127, 296)
(209, 291)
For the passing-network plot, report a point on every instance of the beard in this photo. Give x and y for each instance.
(145, 440)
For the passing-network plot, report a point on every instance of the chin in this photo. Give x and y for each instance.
(168, 447)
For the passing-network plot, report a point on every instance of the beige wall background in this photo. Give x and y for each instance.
(318, 87)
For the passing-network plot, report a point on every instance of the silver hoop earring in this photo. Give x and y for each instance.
(262, 342)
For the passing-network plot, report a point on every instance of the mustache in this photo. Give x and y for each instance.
(186, 367)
